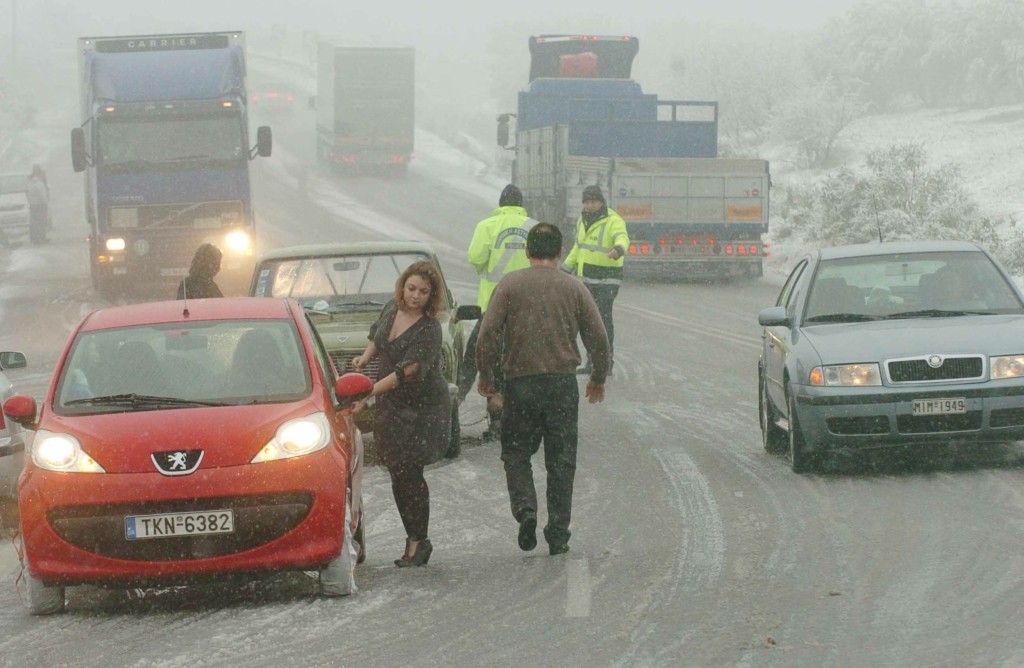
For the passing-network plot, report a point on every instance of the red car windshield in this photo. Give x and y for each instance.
(166, 366)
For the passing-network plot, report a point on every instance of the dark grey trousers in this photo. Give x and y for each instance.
(541, 408)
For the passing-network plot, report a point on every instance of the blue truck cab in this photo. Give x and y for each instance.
(164, 144)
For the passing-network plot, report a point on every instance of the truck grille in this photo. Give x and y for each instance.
(199, 215)
(917, 370)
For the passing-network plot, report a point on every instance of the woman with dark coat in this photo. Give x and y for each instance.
(412, 419)
(199, 282)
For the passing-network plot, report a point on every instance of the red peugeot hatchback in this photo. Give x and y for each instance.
(187, 440)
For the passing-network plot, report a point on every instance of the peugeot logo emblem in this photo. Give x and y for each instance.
(177, 462)
(935, 361)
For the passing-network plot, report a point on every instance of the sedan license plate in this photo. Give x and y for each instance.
(170, 525)
(944, 406)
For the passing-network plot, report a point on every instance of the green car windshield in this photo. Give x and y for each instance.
(337, 283)
(206, 363)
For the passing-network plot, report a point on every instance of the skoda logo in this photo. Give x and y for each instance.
(935, 361)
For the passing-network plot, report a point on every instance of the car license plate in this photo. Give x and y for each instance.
(169, 525)
(944, 406)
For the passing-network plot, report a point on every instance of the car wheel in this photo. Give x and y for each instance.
(338, 577)
(800, 460)
(455, 436)
(773, 437)
(44, 599)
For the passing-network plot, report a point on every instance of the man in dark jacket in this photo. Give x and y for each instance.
(533, 319)
(199, 282)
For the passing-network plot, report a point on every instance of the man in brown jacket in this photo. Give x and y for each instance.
(532, 323)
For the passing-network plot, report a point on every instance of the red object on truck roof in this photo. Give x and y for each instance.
(572, 65)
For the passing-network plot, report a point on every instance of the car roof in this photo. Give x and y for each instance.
(164, 312)
(348, 248)
(891, 247)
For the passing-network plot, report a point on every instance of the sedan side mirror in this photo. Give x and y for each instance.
(21, 408)
(12, 360)
(468, 313)
(774, 317)
(352, 388)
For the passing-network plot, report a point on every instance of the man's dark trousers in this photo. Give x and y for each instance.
(542, 407)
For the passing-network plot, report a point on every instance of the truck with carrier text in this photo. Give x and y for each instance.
(365, 107)
(164, 144)
(583, 121)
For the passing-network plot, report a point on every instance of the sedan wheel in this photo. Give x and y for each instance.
(773, 437)
(800, 460)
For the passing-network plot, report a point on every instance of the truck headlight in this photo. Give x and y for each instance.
(239, 242)
(115, 244)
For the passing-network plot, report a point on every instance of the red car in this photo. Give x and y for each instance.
(188, 440)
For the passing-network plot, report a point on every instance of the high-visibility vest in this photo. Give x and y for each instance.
(498, 248)
(589, 259)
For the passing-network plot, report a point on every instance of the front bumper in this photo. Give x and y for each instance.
(878, 417)
(288, 516)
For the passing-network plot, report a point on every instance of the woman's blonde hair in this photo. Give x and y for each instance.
(427, 271)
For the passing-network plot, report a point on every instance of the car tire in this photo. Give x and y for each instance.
(338, 577)
(43, 599)
(773, 437)
(358, 537)
(455, 435)
(800, 460)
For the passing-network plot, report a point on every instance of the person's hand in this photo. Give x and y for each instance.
(358, 363)
(485, 388)
(359, 406)
(595, 392)
(614, 253)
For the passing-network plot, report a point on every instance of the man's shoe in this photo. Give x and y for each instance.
(557, 548)
(528, 531)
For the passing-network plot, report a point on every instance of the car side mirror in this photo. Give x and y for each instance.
(503, 130)
(468, 313)
(79, 157)
(351, 388)
(12, 360)
(21, 408)
(774, 317)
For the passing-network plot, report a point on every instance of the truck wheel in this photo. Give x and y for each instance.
(455, 436)
(43, 599)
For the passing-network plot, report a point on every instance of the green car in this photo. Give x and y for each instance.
(344, 287)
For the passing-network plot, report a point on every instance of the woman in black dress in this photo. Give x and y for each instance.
(412, 419)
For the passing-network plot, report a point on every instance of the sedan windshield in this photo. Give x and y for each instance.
(909, 285)
(161, 367)
(336, 283)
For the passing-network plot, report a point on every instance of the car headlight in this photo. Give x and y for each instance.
(62, 452)
(296, 438)
(1006, 366)
(846, 375)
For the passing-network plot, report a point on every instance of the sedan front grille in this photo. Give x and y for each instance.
(918, 370)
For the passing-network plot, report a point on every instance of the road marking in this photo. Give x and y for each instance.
(695, 328)
(577, 600)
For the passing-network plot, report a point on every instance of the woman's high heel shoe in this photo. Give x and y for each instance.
(419, 558)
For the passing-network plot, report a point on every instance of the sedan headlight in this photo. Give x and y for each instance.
(1007, 366)
(239, 242)
(61, 452)
(296, 438)
(846, 375)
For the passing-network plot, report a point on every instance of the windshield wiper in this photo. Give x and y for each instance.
(132, 400)
(935, 313)
(842, 317)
